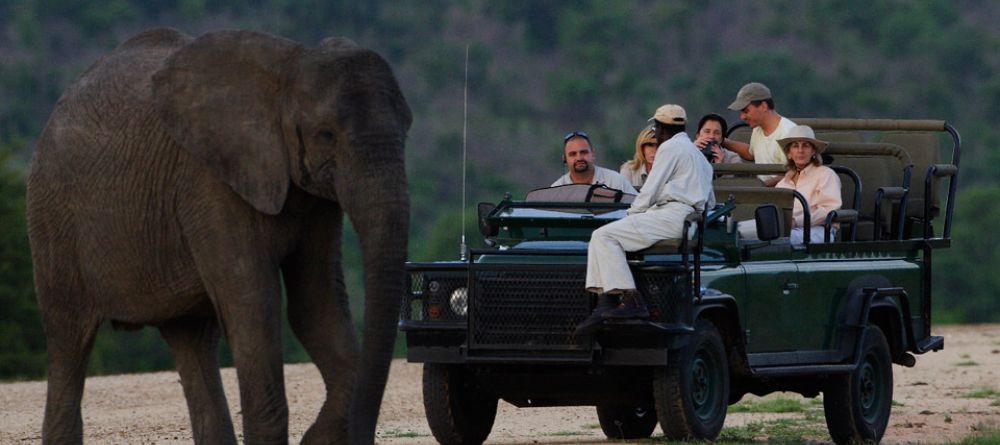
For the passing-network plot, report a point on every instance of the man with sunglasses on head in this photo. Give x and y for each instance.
(579, 157)
(679, 184)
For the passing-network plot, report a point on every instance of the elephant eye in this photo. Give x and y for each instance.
(325, 136)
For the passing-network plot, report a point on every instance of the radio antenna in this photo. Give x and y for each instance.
(465, 119)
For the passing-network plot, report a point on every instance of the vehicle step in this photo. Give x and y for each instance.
(932, 343)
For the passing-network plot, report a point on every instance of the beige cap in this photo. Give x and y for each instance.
(750, 92)
(670, 114)
(801, 133)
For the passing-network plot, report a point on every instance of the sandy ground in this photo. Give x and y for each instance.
(932, 405)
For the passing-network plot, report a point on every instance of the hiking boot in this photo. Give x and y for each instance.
(605, 304)
(633, 306)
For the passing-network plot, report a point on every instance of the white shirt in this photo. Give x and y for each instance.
(636, 177)
(604, 176)
(680, 174)
(765, 148)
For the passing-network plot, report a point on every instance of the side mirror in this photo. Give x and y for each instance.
(768, 219)
(486, 228)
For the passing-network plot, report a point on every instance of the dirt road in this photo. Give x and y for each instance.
(947, 396)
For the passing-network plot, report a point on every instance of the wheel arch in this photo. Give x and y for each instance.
(873, 301)
(722, 311)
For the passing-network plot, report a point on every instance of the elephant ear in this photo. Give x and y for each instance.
(219, 98)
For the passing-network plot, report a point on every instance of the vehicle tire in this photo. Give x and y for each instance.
(626, 422)
(692, 391)
(857, 404)
(458, 411)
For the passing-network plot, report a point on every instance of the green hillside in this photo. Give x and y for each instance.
(538, 69)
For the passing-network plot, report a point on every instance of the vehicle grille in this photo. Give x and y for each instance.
(517, 308)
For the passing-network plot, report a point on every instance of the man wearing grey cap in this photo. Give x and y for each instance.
(680, 183)
(756, 107)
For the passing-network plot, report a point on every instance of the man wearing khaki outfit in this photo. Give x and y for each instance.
(680, 183)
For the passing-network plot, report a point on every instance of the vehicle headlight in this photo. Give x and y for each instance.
(459, 301)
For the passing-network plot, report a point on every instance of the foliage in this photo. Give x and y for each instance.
(22, 343)
(537, 69)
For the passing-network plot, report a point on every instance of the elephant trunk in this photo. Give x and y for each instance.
(379, 209)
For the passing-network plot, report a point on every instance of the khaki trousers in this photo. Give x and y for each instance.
(607, 269)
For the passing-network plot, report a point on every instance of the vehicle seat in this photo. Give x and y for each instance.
(883, 169)
(923, 148)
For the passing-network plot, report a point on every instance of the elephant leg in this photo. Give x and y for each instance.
(319, 314)
(69, 338)
(249, 307)
(194, 343)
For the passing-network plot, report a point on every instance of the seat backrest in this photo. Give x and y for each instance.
(741, 134)
(923, 148)
(747, 200)
(878, 165)
(839, 136)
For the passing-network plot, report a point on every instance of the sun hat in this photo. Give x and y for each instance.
(670, 114)
(750, 92)
(801, 133)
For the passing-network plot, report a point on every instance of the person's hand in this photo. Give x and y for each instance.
(717, 155)
(702, 141)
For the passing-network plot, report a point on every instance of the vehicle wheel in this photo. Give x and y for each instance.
(625, 422)
(692, 391)
(458, 411)
(857, 405)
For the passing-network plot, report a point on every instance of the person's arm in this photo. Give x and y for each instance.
(826, 197)
(740, 148)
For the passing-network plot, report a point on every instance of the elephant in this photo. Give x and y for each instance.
(183, 183)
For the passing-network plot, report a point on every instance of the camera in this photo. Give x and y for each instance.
(707, 151)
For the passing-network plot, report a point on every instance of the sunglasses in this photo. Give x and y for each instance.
(574, 134)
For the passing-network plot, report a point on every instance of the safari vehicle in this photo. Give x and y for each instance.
(728, 316)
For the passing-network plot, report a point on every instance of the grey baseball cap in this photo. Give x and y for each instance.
(749, 93)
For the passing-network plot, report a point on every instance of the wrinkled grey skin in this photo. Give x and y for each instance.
(179, 181)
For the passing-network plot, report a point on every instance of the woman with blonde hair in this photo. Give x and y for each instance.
(636, 169)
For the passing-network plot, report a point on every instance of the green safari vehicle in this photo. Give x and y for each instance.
(728, 316)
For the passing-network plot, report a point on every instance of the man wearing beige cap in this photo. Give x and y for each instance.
(680, 183)
(756, 107)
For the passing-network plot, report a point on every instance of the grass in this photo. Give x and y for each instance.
(778, 405)
(982, 393)
(776, 431)
(967, 363)
(395, 433)
(984, 435)
(567, 433)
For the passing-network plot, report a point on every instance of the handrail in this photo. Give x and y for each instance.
(927, 125)
(872, 124)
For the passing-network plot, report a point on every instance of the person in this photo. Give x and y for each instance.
(580, 158)
(637, 169)
(807, 175)
(679, 183)
(756, 107)
(712, 130)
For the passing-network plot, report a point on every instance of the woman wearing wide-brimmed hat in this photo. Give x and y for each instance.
(807, 175)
